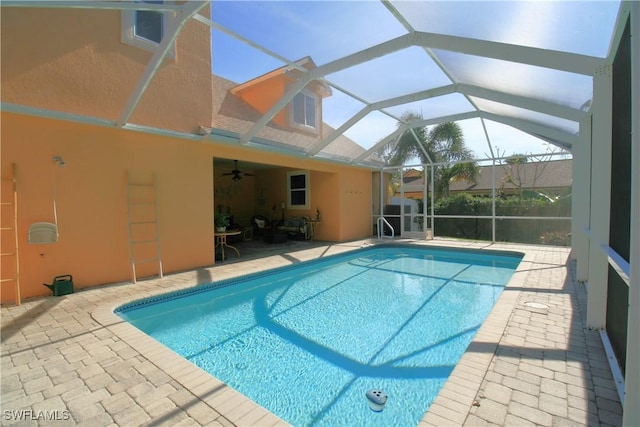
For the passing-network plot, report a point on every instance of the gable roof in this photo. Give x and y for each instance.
(305, 62)
(555, 174)
(236, 117)
(550, 175)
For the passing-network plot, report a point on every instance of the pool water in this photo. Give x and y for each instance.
(308, 341)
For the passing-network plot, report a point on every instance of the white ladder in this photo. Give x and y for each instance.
(142, 221)
(13, 252)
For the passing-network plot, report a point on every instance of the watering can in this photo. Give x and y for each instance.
(62, 285)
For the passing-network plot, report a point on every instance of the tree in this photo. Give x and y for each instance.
(443, 143)
(522, 170)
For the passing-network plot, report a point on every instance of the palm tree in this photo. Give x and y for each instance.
(443, 143)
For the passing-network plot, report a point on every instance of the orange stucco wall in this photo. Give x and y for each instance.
(91, 197)
(73, 60)
(264, 94)
(265, 91)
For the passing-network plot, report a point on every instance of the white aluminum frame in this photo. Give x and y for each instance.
(591, 150)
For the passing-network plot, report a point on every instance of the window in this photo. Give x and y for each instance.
(305, 110)
(298, 189)
(148, 24)
(144, 29)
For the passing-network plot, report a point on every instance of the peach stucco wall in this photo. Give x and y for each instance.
(73, 60)
(91, 197)
(263, 94)
(265, 91)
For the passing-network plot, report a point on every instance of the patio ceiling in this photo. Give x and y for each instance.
(526, 65)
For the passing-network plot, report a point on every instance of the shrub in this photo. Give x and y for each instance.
(551, 232)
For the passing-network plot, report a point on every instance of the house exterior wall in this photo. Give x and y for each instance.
(264, 92)
(91, 198)
(73, 60)
(355, 193)
(262, 95)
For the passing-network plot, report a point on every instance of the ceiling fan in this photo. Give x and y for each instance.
(236, 173)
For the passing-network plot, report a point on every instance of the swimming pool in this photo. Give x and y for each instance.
(307, 341)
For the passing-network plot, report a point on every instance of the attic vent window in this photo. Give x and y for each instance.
(145, 29)
(305, 111)
(148, 24)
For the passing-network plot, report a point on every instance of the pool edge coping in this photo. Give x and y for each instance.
(464, 382)
(462, 388)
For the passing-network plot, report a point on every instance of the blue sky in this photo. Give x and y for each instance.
(329, 30)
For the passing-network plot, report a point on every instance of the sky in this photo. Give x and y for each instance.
(329, 30)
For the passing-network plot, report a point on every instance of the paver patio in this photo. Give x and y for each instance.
(70, 358)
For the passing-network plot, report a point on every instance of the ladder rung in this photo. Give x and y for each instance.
(8, 254)
(144, 241)
(7, 228)
(7, 280)
(6, 203)
(140, 261)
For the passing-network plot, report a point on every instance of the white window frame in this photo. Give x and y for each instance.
(128, 35)
(303, 126)
(306, 189)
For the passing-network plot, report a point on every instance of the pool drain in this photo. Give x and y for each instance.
(377, 399)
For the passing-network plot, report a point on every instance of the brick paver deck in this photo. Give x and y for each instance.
(70, 358)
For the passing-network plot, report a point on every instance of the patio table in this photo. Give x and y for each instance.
(221, 240)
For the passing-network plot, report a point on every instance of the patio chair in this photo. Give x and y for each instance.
(261, 225)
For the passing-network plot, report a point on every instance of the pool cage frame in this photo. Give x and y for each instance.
(599, 257)
(429, 216)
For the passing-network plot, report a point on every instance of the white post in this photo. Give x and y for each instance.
(425, 192)
(493, 201)
(600, 197)
(381, 212)
(631, 413)
(433, 203)
(580, 194)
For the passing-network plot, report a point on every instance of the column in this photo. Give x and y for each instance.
(580, 193)
(600, 199)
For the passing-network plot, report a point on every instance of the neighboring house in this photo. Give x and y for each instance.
(81, 84)
(552, 178)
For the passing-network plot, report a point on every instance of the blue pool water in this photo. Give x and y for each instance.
(308, 341)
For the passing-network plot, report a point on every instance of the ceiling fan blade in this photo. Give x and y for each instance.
(236, 173)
